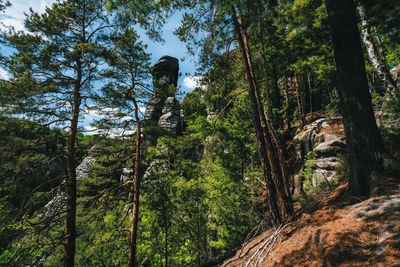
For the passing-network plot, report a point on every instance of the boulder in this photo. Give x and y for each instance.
(324, 137)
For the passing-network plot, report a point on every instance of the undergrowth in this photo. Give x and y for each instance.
(317, 186)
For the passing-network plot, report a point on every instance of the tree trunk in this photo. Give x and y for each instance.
(300, 109)
(364, 142)
(287, 103)
(310, 95)
(70, 223)
(136, 191)
(265, 147)
(261, 146)
(275, 153)
(375, 53)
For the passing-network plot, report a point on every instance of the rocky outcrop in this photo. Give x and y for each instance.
(165, 73)
(57, 205)
(170, 118)
(163, 109)
(325, 138)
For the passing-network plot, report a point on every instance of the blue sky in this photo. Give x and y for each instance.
(14, 16)
(172, 46)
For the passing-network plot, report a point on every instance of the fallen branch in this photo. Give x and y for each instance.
(268, 244)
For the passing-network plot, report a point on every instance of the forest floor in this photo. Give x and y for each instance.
(338, 231)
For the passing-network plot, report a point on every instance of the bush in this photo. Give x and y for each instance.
(315, 186)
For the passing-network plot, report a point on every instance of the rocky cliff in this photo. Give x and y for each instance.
(163, 109)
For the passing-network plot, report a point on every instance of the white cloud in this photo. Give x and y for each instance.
(190, 82)
(4, 74)
(16, 23)
(14, 15)
(117, 132)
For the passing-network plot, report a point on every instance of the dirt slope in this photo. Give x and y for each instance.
(341, 231)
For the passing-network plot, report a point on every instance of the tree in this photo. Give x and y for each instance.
(129, 71)
(365, 145)
(232, 21)
(374, 50)
(53, 70)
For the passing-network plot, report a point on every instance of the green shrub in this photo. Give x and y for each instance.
(315, 186)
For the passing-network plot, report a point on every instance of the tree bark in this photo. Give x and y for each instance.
(310, 95)
(70, 223)
(136, 191)
(364, 142)
(300, 108)
(375, 53)
(287, 103)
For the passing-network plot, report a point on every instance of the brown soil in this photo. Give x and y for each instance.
(341, 231)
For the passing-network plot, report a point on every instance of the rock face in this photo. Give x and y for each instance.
(57, 205)
(326, 139)
(165, 72)
(170, 117)
(163, 109)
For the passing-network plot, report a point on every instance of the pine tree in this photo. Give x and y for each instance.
(365, 145)
(53, 72)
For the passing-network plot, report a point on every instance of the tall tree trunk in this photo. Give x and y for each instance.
(375, 52)
(70, 221)
(266, 150)
(275, 153)
(364, 142)
(310, 95)
(261, 146)
(136, 191)
(300, 108)
(287, 103)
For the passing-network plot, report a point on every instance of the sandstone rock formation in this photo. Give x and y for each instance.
(57, 205)
(163, 108)
(170, 118)
(324, 137)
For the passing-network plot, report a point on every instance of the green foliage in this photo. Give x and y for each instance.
(390, 123)
(315, 186)
(30, 166)
(343, 168)
(201, 195)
